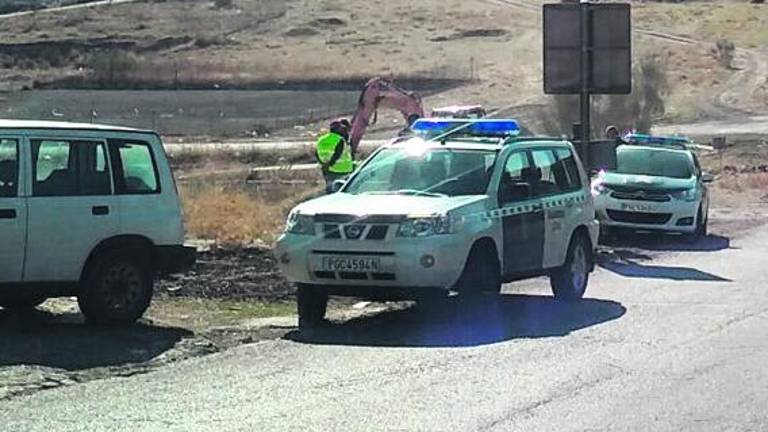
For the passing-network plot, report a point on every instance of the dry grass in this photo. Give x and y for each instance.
(744, 182)
(233, 215)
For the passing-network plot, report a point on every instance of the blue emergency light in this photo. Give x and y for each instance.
(431, 128)
(657, 140)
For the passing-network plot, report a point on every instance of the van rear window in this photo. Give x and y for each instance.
(135, 167)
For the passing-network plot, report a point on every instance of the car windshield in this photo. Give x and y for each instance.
(425, 172)
(653, 162)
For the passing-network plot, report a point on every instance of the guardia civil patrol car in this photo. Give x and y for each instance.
(460, 208)
(657, 185)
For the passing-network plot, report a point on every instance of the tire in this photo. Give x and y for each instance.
(479, 286)
(607, 235)
(569, 281)
(22, 302)
(482, 274)
(701, 228)
(117, 289)
(311, 305)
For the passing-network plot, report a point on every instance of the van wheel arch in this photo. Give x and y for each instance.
(136, 244)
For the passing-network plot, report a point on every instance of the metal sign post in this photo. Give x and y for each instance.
(585, 81)
(597, 38)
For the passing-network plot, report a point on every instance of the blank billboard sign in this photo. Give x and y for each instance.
(608, 42)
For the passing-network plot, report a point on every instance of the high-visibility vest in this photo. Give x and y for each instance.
(326, 147)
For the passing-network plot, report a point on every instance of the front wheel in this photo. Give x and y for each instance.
(701, 228)
(311, 304)
(569, 281)
(117, 290)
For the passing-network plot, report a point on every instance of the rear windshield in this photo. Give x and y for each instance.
(653, 162)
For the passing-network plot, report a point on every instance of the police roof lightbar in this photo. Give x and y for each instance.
(436, 128)
(679, 141)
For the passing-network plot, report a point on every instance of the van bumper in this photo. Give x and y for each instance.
(174, 259)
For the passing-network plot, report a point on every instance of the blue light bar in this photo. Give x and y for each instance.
(435, 127)
(658, 140)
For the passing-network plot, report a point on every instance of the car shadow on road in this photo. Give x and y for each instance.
(633, 269)
(630, 255)
(65, 342)
(513, 317)
(667, 242)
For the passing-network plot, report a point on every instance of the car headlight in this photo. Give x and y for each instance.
(300, 224)
(599, 188)
(424, 226)
(685, 195)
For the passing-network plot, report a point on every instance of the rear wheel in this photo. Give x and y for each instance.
(117, 289)
(311, 303)
(569, 281)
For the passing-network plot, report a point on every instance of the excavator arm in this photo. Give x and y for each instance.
(380, 92)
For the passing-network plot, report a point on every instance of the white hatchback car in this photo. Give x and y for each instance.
(657, 185)
(86, 210)
(463, 212)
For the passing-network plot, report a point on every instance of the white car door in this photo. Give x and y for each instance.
(562, 194)
(13, 211)
(71, 207)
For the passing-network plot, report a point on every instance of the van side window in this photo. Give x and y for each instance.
(135, 168)
(9, 168)
(69, 168)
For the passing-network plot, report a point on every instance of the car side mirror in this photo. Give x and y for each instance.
(337, 185)
(707, 178)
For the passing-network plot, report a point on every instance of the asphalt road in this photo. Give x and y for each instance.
(669, 339)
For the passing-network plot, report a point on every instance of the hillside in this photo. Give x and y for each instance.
(495, 45)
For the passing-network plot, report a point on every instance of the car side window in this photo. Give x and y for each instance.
(9, 168)
(696, 165)
(69, 168)
(567, 161)
(551, 177)
(135, 168)
(515, 179)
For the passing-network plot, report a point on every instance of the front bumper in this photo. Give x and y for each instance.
(672, 216)
(174, 259)
(402, 264)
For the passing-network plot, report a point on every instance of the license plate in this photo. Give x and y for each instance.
(636, 207)
(361, 264)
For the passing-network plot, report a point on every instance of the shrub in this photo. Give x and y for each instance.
(724, 50)
(638, 110)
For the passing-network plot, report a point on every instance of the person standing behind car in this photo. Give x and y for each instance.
(333, 153)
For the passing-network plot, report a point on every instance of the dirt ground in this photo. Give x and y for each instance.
(495, 45)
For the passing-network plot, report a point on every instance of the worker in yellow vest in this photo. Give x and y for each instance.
(333, 153)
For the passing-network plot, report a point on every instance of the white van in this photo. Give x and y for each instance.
(86, 210)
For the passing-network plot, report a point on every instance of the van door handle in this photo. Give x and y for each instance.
(7, 213)
(100, 210)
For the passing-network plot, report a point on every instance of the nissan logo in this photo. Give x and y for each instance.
(353, 232)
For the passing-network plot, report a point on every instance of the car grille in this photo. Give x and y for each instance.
(357, 231)
(641, 195)
(639, 218)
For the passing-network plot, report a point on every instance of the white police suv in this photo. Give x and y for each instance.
(657, 185)
(462, 207)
